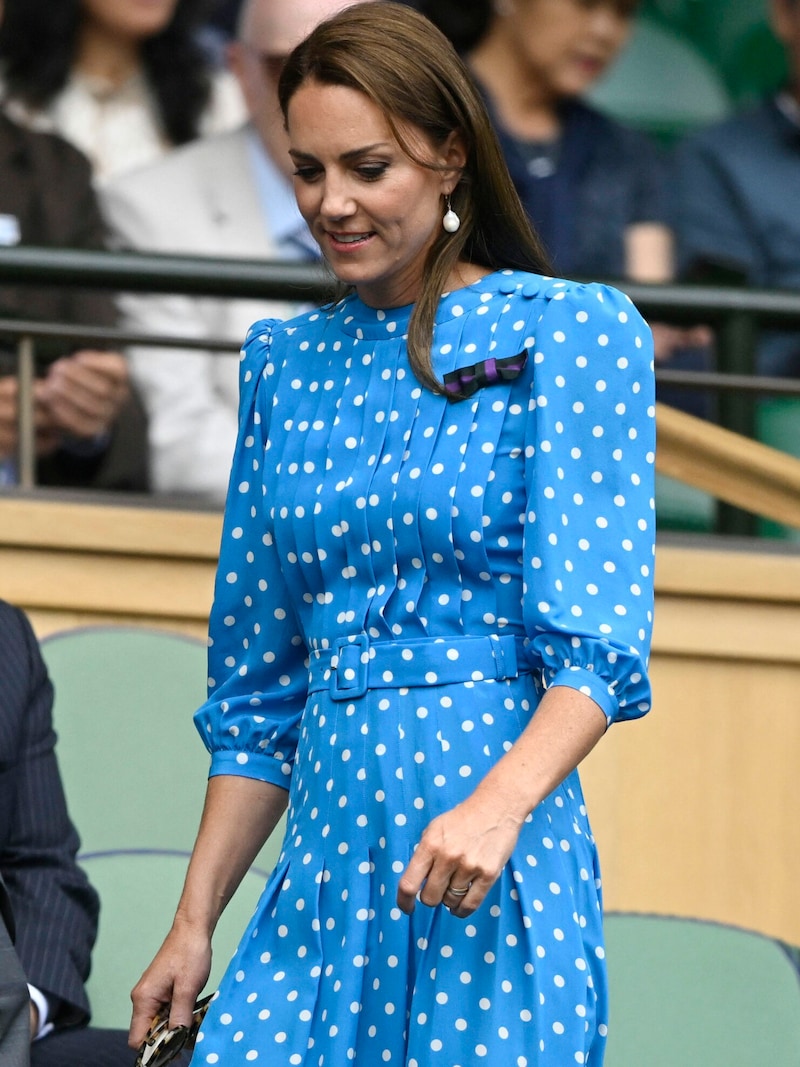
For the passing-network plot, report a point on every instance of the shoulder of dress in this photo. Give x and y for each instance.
(302, 329)
(588, 293)
(520, 283)
(603, 307)
(528, 286)
(261, 332)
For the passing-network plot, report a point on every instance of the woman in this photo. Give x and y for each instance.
(593, 188)
(123, 80)
(439, 521)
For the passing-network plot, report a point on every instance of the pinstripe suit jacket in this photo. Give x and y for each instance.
(55, 909)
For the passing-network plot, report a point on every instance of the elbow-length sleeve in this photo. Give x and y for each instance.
(590, 522)
(258, 677)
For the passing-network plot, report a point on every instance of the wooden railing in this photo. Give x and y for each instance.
(729, 466)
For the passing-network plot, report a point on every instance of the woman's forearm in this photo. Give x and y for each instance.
(238, 817)
(565, 728)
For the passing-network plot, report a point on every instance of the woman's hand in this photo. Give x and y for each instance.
(176, 976)
(238, 817)
(463, 849)
(470, 845)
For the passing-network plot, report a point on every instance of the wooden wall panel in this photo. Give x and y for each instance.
(696, 807)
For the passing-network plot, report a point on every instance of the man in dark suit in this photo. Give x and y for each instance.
(54, 908)
(15, 1035)
(91, 428)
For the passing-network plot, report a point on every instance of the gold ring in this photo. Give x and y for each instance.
(459, 892)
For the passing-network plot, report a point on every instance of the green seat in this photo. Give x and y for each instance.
(733, 35)
(134, 770)
(133, 765)
(755, 65)
(662, 83)
(685, 993)
(139, 892)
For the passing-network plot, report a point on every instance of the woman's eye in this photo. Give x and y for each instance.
(307, 174)
(370, 172)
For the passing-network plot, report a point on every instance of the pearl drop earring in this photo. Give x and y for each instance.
(451, 221)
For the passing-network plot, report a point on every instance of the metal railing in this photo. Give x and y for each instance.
(736, 315)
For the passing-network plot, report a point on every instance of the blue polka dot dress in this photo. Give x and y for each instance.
(400, 575)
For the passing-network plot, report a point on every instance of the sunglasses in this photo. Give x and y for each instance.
(163, 1044)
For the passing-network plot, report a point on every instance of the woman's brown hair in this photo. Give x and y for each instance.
(409, 69)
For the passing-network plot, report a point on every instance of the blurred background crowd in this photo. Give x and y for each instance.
(651, 141)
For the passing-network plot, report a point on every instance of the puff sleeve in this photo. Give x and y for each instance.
(590, 521)
(258, 677)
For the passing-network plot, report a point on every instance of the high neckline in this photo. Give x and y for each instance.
(359, 320)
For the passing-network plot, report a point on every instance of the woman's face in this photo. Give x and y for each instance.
(373, 210)
(136, 19)
(566, 44)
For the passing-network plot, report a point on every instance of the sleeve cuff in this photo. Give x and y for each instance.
(260, 766)
(43, 1007)
(588, 683)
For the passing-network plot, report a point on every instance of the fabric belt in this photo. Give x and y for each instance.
(355, 664)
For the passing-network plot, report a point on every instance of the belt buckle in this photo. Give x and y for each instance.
(349, 678)
(504, 654)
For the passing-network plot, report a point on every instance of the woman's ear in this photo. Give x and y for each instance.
(453, 157)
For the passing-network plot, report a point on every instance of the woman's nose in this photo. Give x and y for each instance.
(337, 201)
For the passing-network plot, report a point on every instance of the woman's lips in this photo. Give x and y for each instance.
(349, 241)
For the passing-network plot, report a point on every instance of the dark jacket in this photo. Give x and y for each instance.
(55, 909)
(47, 200)
(606, 177)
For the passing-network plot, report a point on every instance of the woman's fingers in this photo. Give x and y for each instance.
(458, 860)
(413, 878)
(175, 978)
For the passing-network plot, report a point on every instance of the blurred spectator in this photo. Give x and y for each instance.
(224, 16)
(219, 28)
(46, 902)
(123, 80)
(736, 185)
(229, 195)
(90, 426)
(594, 189)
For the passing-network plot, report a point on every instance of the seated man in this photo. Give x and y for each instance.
(228, 195)
(45, 898)
(16, 1017)
(90, 427)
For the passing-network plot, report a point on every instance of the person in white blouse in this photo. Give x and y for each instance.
(124, 81)
(228, 196)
